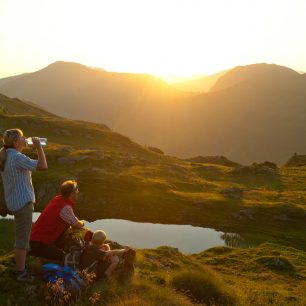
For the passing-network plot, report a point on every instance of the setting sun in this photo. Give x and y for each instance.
(166, 38)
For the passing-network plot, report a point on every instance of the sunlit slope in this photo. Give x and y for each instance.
(16, 106)
(121, 179)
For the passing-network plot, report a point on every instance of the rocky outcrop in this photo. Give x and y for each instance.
(266, 168)
(218, 160)
(296, 161)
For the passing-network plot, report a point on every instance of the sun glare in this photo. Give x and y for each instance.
(172, 38)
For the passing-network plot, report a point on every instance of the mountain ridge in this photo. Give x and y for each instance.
(254, 115)
(261, 72)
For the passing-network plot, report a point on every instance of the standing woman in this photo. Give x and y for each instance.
(16, 171)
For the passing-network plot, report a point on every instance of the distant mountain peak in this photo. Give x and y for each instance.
(64, 65)
(69, 66)
(255, 72)
(263, 68)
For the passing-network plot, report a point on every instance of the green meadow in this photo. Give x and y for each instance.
(121, 179)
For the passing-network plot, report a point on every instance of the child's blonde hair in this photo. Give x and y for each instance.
(98, 237)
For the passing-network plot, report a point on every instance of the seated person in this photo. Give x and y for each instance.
(97, 256)
(54, 220)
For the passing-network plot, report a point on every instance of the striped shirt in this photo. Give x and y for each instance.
(68, 215)
(17, 179)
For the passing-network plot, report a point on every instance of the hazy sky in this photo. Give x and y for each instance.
(168, 37)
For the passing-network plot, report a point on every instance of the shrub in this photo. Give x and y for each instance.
(270, 165)
(203, 286)
(278, 263)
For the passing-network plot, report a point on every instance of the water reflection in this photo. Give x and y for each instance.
(188, 239)
(233, 240)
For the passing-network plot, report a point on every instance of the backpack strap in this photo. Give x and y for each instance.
(92, 267)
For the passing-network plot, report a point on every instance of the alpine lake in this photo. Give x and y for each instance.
(186, 238)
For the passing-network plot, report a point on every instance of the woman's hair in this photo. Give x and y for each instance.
(9, 137)
(98, 237)
(68, 187)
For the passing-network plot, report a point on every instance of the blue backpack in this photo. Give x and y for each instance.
(71, 281)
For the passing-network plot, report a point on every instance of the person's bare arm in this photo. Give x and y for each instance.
(118, 252)
(42, 162)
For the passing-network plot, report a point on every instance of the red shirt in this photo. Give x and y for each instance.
(49, 226)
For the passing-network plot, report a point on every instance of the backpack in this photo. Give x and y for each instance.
(73, 255)
(71, 281)
(73, 243)
(73, 236)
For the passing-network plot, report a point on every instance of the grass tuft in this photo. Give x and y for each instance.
(203, 287)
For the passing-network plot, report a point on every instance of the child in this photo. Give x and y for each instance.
(100, 236)
(97, 256)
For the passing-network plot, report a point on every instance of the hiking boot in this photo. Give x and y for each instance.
(24, 276)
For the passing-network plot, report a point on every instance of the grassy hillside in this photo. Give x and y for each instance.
(16, 106)
(121, 179)
(268, 274)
